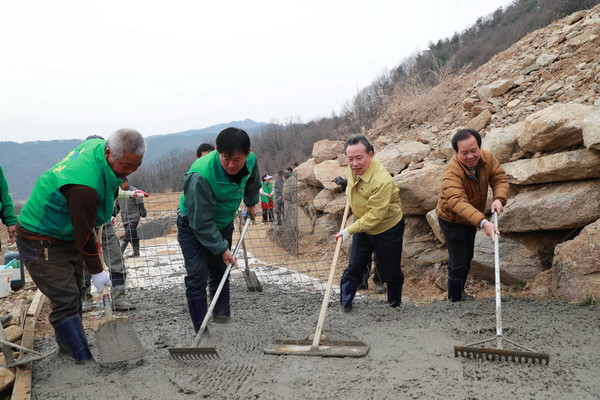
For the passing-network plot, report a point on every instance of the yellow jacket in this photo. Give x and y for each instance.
(374, 199)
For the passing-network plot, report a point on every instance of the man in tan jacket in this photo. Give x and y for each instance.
(462, 201)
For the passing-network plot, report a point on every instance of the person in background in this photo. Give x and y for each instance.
(266, 199)
(7, 213)
(279, 201)
(55, 230)
(213, 189)
(379, 225)
(462, 201)
(132, 211)
(204, 149)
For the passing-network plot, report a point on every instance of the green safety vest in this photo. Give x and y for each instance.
(47, 210)
(228, 195)
(267, 187)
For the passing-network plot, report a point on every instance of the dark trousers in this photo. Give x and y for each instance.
(131, 235)
(460, 241)
(387, 247)
(201, 265)
(267, 215)
(56, 268)
(279, 210)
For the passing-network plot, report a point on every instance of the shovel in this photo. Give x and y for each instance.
(252, 282)
(317, 344)
(115, 337)
(475, 350)
(197, 352)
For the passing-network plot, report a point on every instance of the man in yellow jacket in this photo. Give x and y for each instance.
(379, 223)
(462, 201)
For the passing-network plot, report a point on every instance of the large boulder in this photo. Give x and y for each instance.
(502, 142)
(564, 205)
(565, 166)
(591, 130)
(305, 194)
(323, 198)
(576, 266)
(326, 226)
(337, 205)
(495, 89)
(556, 127)
(305, 172)
(396, 157)
(480, 121)
(519, 258)
(420, 248)
(327, 150)
(304, 222)
(433, 221)
(420, 188)
(327, 170)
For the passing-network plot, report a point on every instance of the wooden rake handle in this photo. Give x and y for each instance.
(325, 303)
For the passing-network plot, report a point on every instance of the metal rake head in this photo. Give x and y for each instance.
(194, 353)
(492, 354)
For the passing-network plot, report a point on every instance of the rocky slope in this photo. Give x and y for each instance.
(537, 104)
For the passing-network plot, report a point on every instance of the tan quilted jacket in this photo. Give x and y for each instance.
(463, 196)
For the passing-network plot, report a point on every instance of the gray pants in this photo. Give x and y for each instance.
(56, 268)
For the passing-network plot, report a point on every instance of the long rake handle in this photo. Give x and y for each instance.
(323, 313)
(497, 282)
(213, 303)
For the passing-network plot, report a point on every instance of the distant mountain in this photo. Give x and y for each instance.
(23, 163)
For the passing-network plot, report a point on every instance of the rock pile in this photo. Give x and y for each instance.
(537, 104)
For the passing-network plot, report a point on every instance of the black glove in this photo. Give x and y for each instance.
(338, 180)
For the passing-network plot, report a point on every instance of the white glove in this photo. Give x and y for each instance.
(138, 193)
(342, 234)
(100, 279)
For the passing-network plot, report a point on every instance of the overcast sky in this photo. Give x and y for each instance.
(69, 69)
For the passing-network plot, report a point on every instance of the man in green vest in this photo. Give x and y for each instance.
(55, 229)
(213, 189)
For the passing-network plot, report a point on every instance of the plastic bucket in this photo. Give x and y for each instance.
(18, 274)
(5, 275)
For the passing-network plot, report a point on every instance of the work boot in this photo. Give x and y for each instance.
(71, 339)
(5, 320)
(347, 293)
(119, 300)
(198, 308)
(394, 295)
(222, 311)
(454, 289)
(135, 244)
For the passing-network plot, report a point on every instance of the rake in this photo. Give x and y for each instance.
(318, 344)
(523, 354)
(197, 352)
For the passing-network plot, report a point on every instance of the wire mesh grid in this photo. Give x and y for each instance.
(286, 249)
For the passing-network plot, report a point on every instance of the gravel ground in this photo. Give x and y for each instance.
(411, 352)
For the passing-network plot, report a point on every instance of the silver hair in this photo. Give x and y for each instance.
(126, 140)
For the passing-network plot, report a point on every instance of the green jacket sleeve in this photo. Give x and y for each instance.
(201, 208)
(7, 212)
(252, 188)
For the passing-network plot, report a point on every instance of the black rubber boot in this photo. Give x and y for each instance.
(198, 308)
(347, 292)
(454, 289)
(70, 337)
(135, 244)
(222, 311)
(394, 295)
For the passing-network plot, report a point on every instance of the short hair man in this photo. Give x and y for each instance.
(204, 149)
(132, 211)
(55, 229)
(379, 225)
(462, 201)
(213, 189)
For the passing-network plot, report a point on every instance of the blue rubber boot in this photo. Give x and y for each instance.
(70, 336)
(347, 292)
(222, 311)
(455, 287)
(394, 295)
(198, 308)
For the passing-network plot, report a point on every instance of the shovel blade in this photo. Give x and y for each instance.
(117, 340)
(252, 282)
